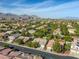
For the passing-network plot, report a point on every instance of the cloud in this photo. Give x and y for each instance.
(47, 8)
(17, 6)
(43, 4)
(58, 8)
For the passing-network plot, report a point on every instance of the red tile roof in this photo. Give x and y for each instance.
(5, 51)
(14, 53)
(3, 57)
(50, 43)
(17, 58)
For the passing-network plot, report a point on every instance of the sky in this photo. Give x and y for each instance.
(42, 8)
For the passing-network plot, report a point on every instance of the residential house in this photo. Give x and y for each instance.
(2, 33)
(41, 41)
(69, 26)
(4, 57)
(13, 37)
(33, 26)
(71, 30)
(9, 32)
(26, 39)
(57, 31)
(62, 42)
(31, 31)
(37, 57)
(75, 46)
(49, 45)
(21, 37)
(14, 53)
(6, 51)
(24, 55)
(17, 58)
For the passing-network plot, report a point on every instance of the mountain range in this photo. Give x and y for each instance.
(10, 16)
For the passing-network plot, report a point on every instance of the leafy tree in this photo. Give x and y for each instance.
(67, 47)
(57, 36)
(5, 45)
(67, 38)
(52, 26)
(64, 29)
(16, 31)
(49, 36)
(19, 41)
(40, 33)
(77, 29)
(32, 44)
(57, 47)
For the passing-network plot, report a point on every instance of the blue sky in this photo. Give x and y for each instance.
(42, 8)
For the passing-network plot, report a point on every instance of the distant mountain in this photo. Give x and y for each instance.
(9, 16)
(71, 18)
